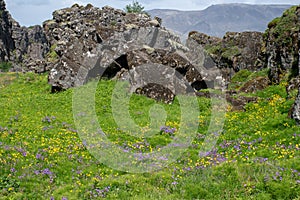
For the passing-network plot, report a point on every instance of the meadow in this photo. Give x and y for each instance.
(42, 156)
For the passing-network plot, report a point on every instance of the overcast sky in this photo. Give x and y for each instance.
(32, 12)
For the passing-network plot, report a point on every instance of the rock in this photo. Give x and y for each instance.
(296, 108)
(129, 52)
(24, 47)
(157, 82)
(114, 44)
(281, 45)
(256, 84)
(238, 103)
(235, 51)
(6, 41)
(75, 33)
(204, 39)
(295, 83)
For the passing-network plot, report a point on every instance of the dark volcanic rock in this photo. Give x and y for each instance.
(238, 103)
(281, 44)
(113, 44)
(256, 84)
(75, 32)
(24, 47)
(234, 52)
(6, 40)
(294, 83)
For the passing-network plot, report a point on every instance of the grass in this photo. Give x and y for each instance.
(243, 76)
(43, 157)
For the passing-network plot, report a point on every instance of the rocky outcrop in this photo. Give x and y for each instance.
(6, 41)
(92, 42)
(238, 103)
(235, 51)
(282, 45)
(24, 47)
(31, 48)
(256, 84)
(295, 83)
(74, 32)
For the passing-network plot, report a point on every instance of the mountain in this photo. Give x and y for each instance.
(216, 20)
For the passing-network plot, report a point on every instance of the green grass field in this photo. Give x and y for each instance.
(257, 155)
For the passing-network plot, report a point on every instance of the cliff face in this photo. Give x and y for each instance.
(25, 48)
(6, 41)
(281, 44)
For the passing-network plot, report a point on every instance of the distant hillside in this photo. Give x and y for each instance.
(216, 20)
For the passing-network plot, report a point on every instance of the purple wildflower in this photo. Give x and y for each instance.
(36, 172)
(46, 172)
(38, 156)
(167, 129)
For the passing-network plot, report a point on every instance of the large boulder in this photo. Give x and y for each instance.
(113, 44)
(74, 32)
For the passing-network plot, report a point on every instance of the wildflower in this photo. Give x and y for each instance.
(174, 183)
(38, 156)
(46, 172)
(36, 172)
(167, 129)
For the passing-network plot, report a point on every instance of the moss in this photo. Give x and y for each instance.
(5, 66)
(213, 49)
(52, 55)
(241, 76)
(282, 28)
(230, 52)
(274, 22)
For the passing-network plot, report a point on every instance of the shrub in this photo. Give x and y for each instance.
(135, 7)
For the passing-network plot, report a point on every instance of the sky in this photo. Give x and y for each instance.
(32, 12)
